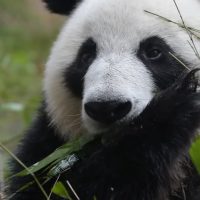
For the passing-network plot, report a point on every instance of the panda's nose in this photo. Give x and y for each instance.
(107, 112)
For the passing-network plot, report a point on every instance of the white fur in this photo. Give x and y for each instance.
(117, 26)
(117, 77)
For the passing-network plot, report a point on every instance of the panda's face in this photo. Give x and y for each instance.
(110, 60)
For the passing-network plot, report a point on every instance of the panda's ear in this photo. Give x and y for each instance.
(63, 7)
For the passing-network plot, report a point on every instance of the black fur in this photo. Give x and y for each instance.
(40, 141)
(165, 69)
(64, 7)
(74, 75)
(146, 159)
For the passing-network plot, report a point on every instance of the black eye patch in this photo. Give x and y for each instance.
(74, 75)
(154, 52)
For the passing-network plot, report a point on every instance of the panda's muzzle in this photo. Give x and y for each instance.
(108, 111)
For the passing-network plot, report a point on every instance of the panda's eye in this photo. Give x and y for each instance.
(153, 53)
(87, 58)
(87, 52)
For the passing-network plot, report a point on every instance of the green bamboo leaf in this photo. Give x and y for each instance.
(43, 163)
(58, 155)
(60, 190)
(194, 153)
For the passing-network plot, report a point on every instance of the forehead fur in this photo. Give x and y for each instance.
(116, 26)
(109, 20)
(135, 8)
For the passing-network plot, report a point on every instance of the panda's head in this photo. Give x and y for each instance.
(111, 57)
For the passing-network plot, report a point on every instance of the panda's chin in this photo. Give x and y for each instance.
(95, 128)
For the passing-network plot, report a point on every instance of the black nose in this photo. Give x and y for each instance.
(109, 111)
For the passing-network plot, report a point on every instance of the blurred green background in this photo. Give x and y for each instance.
(27, 31)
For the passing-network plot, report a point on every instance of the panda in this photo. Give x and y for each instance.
(122, 73)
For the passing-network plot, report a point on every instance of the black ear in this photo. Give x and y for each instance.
(63, 7)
